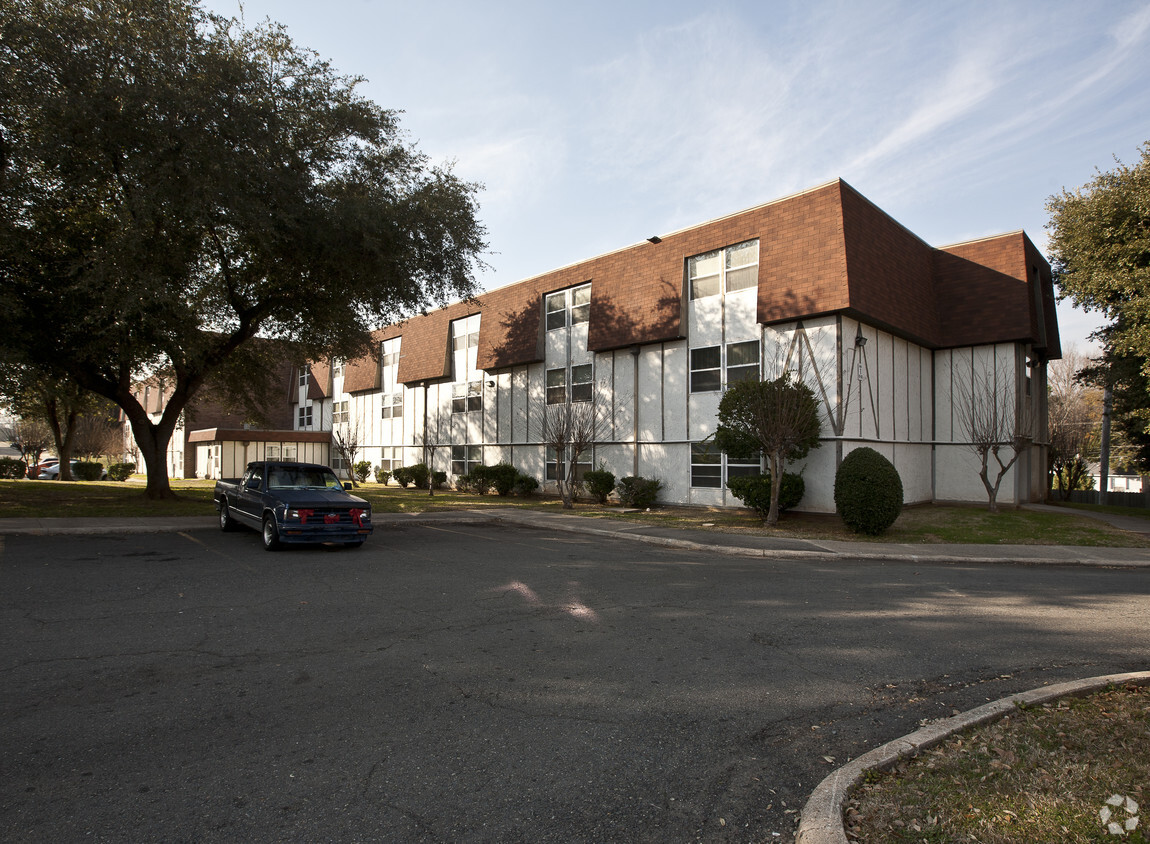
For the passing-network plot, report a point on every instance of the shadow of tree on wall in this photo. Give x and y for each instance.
(786, 306)
(521, 340)
(614, 326)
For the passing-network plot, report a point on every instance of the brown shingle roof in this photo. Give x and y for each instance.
(825, 250)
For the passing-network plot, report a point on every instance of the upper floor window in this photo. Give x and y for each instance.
(304, 416)
(336, 367)
(339, 413)
(708, 364)
(468, 396)
(389, 353)
(393, 405)
(581, 381)
(303, 376)
(465, 333)
(568, 307)
(730, 269)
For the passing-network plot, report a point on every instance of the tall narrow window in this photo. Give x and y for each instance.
(556, 386)
(706, 466)
(706, 369)
(339, 413)
(582, 382)
(556, 310)
(303, 376)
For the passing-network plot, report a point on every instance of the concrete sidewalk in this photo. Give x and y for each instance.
(686, 539)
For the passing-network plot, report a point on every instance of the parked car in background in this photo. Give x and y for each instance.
(52, 473)
(37, 470)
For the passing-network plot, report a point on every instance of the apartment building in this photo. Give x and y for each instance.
(893, 336)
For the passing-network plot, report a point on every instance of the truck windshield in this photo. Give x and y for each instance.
(303, 479)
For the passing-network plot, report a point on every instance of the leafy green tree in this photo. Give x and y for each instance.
(173, 184)
(779, 419)
(1100, 253)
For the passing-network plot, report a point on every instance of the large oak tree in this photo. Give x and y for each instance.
(173, 184)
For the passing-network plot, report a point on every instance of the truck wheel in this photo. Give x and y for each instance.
(226, 521)
(271, 534)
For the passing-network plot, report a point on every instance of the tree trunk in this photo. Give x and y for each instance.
(152, 440)
(775, 465)
(62, 436)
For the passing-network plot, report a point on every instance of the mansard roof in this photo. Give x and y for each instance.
(822, 251)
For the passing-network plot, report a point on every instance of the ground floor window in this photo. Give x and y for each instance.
(557, 471)
(391, 457)
(710, 468)
(464, 458)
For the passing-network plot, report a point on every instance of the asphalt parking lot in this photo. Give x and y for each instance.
(486, 683)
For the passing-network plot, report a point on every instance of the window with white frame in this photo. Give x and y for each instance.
(290, 451)
(272, 452)
(568, 307)
(738, 361)
(304, 416)
(339, 413)
(339, 465)
(389, 353)
(336, 367)
(557, 471)
(465, 334)
(706, 369)
(730, 269)
(467, 397)
(710, 468)
(303, 376)
(556, 386)
(393, 405)
(391, 457)
(464, 458)
(582, 382)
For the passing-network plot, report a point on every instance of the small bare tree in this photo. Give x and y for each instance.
(98, 432)
(1075, 412)
(431, 444)
(570, 429)
(996, 422)
(31, 435)
(346, 439)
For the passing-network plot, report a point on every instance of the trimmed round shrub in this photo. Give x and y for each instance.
(419, 475)
(502, 477)
(639, 492)
(382, 476)
(868, 492)
(85, 471)
(362, 469)
(755, 492)
(600, 483)
(438, 479)
(12, 468)
(403, 476)
(121, 471)
(526, 485)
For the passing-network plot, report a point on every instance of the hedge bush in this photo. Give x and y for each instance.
(85, 471)
(526, 485)
(502, 476)
(12, 468)
(868, 492)
(639, 492)
(121, 471)
(362, 469)
(419, 475)
(403, 476)
(438, 479)
(382, 476)
(600, 483)
(755, 492)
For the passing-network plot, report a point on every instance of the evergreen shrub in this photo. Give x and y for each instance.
(121, 471)
(639, 492)
(868, 492)
(600, 483)
(755, 492)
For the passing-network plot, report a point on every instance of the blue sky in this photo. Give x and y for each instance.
(594, 126)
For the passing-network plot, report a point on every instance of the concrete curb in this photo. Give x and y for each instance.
(822, 816)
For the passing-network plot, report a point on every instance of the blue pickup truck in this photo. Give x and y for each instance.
(293, 502)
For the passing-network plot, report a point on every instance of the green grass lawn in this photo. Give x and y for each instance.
(928, 523)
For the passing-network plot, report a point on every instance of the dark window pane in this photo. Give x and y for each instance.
(705, 381)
